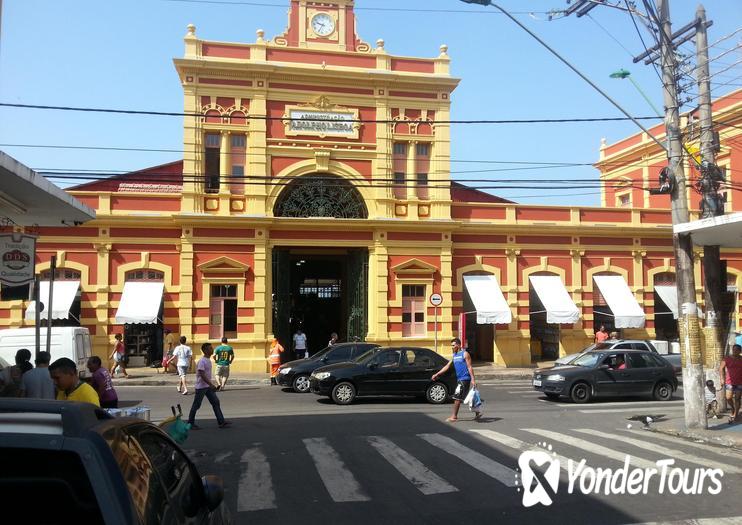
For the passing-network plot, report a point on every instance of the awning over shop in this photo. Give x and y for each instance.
(63, 297)
(560, 309)
(669, 296)
(140, 303)
(488, 300)
(616, 292)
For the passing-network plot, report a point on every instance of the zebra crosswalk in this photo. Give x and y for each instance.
(431, 463)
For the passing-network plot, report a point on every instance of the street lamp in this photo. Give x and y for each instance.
(621, 74)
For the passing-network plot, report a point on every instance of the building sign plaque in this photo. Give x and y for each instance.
(17, 259)
(322, 119)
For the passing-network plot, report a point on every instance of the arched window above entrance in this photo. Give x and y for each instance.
(320, 196)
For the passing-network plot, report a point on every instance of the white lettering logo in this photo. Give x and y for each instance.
(539, 488)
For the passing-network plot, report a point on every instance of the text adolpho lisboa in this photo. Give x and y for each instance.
(542, 485)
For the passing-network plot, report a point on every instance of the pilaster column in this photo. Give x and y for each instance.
(257, 163)
(185, 312)
(100, 338)
(410, 173)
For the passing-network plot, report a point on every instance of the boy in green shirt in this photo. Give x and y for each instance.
(69, 387)
(223, 355)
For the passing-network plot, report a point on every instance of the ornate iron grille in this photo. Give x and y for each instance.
(320, 196)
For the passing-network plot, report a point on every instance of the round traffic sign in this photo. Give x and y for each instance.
(436, 299)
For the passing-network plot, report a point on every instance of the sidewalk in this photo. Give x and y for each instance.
(145, 376)
(719, 432)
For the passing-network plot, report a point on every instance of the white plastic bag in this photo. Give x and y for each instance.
(469, 397)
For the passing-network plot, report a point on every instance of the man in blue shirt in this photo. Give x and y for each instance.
(464, 376)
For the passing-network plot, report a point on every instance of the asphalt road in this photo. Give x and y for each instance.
(298, 458)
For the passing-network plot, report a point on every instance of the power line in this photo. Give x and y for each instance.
(308, 119)
(391, 9)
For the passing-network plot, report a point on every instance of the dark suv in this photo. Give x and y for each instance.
(65, 462)
(296, 373)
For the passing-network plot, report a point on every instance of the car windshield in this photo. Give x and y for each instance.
(322, 352)
(595, 346)
(587, 360)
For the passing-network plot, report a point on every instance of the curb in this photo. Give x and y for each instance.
(163, 382)
(723, 441)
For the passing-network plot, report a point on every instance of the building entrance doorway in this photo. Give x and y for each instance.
(480, 338)
(320, 291)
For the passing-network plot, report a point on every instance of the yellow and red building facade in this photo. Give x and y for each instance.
(315, 191)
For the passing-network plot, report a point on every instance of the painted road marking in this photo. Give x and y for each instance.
(338, 480)
(661, 449)
(592, 447)
(627, 409)
(517, 444)
(638, 404)
(482, 463)
(255, 490)
(418, 474)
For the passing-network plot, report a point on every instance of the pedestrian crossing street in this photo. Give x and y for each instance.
(349, 467)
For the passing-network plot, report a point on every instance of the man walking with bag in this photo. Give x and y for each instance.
(464, 376)
(204, 387)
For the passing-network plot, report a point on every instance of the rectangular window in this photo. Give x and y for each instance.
(400, 190)
(212, 162)
(223, 311)
(422, 179)
(423, 150)
(238, 141)
(413, 310)
(624, 201)
(400, 148)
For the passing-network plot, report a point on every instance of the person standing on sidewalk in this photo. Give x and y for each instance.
(731, 375)
(184, 355)
(464, 376)
(119, 356)
(37, 383)
(300, 344)
(69, 387)
(204, 387)
(102, 383)
(223, 356)
(274, 359)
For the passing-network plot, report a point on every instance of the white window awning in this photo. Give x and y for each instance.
(616, 292)
(669, 296)
(140, 303)
(488, 300)
(62, 299)
(560, 309)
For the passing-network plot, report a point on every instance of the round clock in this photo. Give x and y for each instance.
(323, 24)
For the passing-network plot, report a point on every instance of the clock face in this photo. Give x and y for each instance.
(323, 24)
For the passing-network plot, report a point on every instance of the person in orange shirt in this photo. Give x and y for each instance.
(274, 358)
(601, 335)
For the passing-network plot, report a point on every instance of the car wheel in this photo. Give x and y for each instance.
(343, 393)
(552, 396)
(301, 384)
(437, 393)
(580, 393)
(663, 391)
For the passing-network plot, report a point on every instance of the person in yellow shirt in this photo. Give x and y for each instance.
(69, 387)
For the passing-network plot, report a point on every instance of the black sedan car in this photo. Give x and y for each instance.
(609, 373)
(296, 373)
(385, 372)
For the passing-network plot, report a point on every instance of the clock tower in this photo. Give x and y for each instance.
(329, 26)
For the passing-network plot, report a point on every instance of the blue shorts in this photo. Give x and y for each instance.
(733, 388)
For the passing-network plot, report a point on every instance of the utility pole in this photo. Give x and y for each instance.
(690, 343)
(712, 206)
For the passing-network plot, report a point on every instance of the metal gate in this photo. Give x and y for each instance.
(356, 288)
(282, 296)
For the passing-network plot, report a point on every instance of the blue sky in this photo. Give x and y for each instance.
(118, 54)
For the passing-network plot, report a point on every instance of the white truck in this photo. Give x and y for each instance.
(72, 342)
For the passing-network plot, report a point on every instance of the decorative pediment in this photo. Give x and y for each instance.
(414, 266)
(224, 265)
